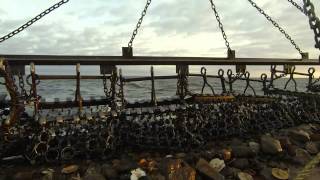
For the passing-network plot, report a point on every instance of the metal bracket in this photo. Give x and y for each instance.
(304, 56)
(127, 52)
(107, 69)
(241, 69)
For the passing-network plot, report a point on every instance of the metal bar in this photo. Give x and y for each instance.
(149, 78)
(69, 104)
(69, 77)
(149, 60)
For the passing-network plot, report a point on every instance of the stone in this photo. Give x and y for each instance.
(23, 176)
(204, 167)
(269, 145)
(299, 136)
(266, 173)
(312, 148)
(244, 176)
(230, 171)
(70, 169)
(156, 177)
(124, 165)
(240, 163)
(217, 164)
(180, 155)
(47, 174)
(315, 137)
(108, 172)
(242, 151)
(302, 156)
(255, 147)
(183, 173)
(137, 174)
(94, 176)
(280, 174)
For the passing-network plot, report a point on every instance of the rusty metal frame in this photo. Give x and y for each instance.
(149, 60)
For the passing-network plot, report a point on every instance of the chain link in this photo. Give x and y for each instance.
(275, 24)
(313, 20)
(224, 35)
(32, 21)
(297, 6)
(105, 86)
(22, 86)
(135, 31)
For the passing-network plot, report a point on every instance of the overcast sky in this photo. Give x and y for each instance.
(171, 28)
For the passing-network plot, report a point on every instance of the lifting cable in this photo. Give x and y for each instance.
(275, 24)
(32, 21)
(135, 31)
(213, 6)
(297, 6)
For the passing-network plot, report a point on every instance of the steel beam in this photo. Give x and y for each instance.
(148, 60)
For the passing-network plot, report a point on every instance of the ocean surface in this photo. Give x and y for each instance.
(63, 89)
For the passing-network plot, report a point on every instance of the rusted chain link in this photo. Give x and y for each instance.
(297, 6)
(275, 24)
(32, 21)
(224, 35)
(135, 31)
(313, 21)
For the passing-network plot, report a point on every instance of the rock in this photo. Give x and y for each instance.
(315, 137)
(47, 174)
(94, 176)
(230, 171)
(70, 169)
(108, 172)
(185, 172)
(23, 176)
(244, 176)
(240, 163)
(204, 167)
(280, 174)
(269, 145)
(242, 151)
(124, 165)
(137, 174)
(312, 148)
(217, 164)
(156, 177)
(299, 136)
(291, 149)
(302, 156)
(266, 173)
(181, 155)
(255, 147)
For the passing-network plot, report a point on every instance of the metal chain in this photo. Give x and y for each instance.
(143, 14)
(22, 86)
(213, 6)
(313, 21)
(275, 24)
(32, 21)
(105, 86)
(297, 6)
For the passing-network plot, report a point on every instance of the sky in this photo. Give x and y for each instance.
(171, 28)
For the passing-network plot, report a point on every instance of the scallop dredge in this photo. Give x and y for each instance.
(100, 128)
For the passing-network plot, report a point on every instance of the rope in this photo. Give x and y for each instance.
(306, 171)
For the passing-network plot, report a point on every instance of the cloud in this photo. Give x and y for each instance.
(171, 27)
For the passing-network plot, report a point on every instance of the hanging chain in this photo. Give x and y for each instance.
(297, 6)
(32, 21)
(275, 24)
(313, 21)
(224, 35)
(143, 14)
(105, 86)
(22, 86)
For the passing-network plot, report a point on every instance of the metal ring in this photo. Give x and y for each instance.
(229, 72)
(203, 71)
(37, 78)
(264, 77)
(311, 70)
(221, 72)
